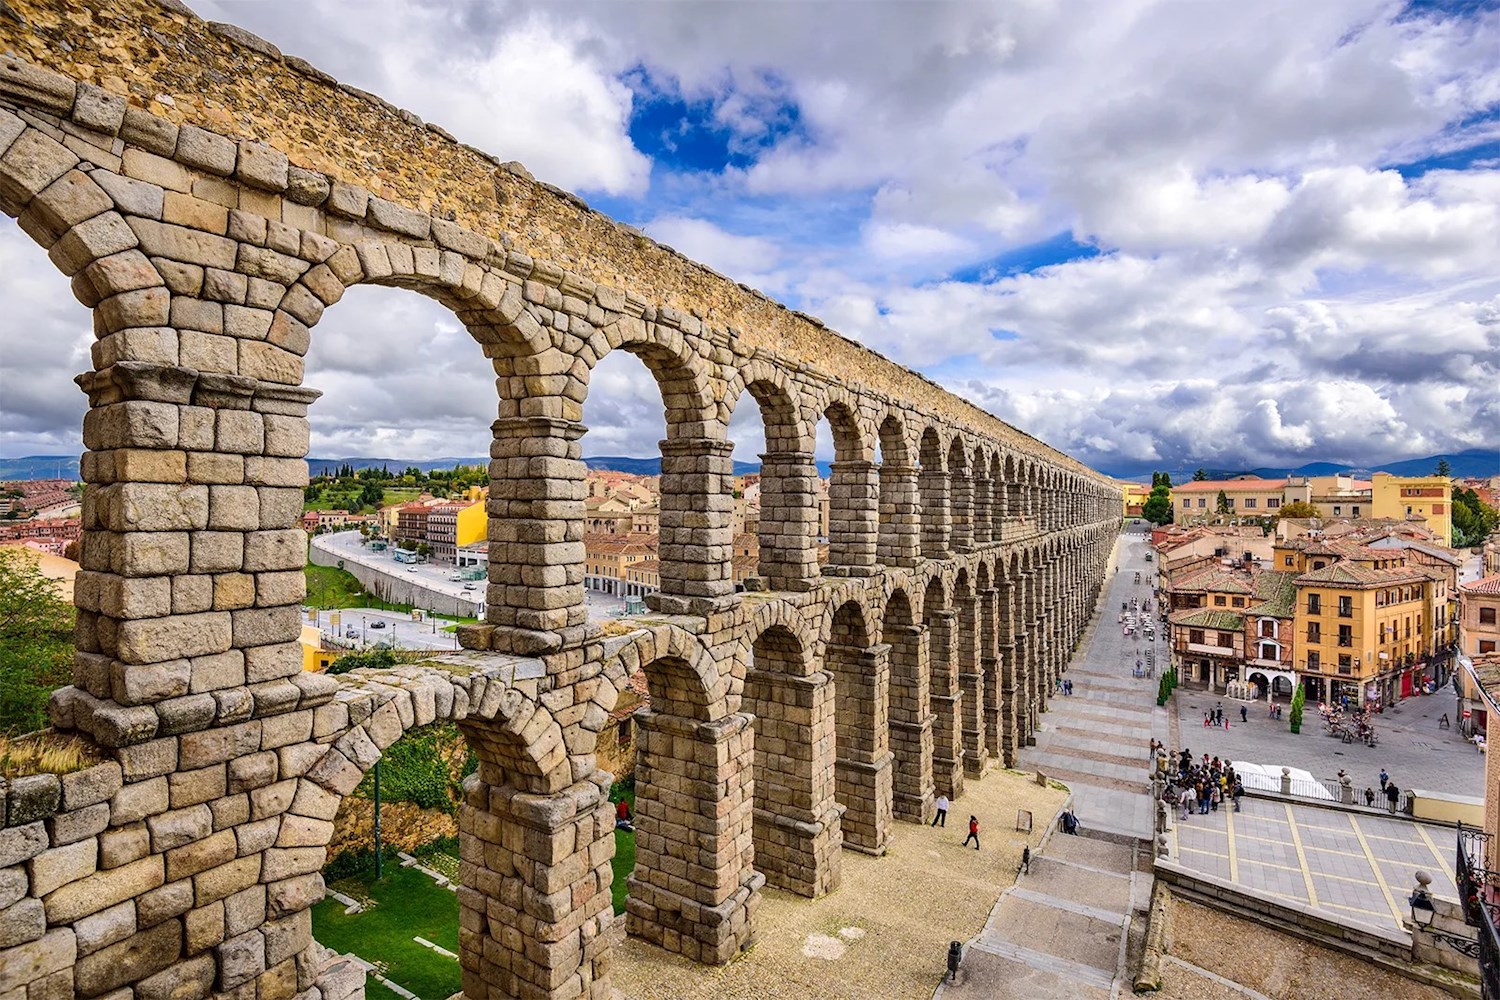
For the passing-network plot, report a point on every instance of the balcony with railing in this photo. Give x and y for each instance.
(1479, 894)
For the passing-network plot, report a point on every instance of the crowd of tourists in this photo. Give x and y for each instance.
(1200, 785)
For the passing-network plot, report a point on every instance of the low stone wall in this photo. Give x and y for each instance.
(393, 587)
(1388, 949)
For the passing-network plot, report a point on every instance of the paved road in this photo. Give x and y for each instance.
(396, 628)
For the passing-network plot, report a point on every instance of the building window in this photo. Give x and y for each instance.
(1314, 601)
(1195, 635)
(1218, 600)
(1486, 645)
(1346, 607)
(1314, 660)
(1314, 632)
(1186, 502)
(1354, 511)
(1345, 666)
(1238, 602)
(1226, 639)
(1249, 503)
(626, 731)
(1202, 501)
(1286, 560)
(1273, 502)
(1346, 636)
(1486, 616)
(1337, 510)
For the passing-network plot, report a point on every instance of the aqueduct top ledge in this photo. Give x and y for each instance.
(156, 56)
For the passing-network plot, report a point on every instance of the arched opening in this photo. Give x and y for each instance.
(45, 341)
(932, 479)
(910, 709)
(960, 497)
(780, 492)
(941, 620)
(981, 688)
(984, 499)
(797, 830)
(899, 535)
(624, 494)
(853, 494)
(861, 676)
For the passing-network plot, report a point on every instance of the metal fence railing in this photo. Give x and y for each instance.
(1479, 893)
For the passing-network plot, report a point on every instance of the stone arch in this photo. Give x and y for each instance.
(899, 541)
(983, 502)
(797, 826)
(910, 709)
(960, 496)
(860, 670)
(682, 676)
(932, 479)
(788, 479)
(853, 491)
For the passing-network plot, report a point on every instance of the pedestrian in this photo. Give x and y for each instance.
(1208, 719)
(1070, 822)
(1026, 860)
(1392, 793)
(940, 818)
(1214, 798)
(1239, 790)
(1369, 797)
(973, 832)
(1182, 801)
(1244, 715)
(1383, 779)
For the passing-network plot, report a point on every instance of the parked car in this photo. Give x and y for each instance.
(377, 624)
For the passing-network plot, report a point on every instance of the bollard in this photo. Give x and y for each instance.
(955, 955)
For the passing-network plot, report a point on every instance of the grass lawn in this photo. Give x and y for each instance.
(398, 909)
(624, 861)
(329, 587)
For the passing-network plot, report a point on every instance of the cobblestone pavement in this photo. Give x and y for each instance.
(884, 932)
(1357, 867)
(1412, 749)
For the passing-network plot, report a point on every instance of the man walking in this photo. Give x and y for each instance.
(1383, 779)
(1244, 715)
(1392, 794)
(940, 818)
(973, 832)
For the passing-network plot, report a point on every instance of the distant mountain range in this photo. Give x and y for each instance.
(1477, 462)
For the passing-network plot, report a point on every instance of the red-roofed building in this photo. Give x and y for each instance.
(1479, 616)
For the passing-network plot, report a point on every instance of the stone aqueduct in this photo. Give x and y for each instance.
(812, 715)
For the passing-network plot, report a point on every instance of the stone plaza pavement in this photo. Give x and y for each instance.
(1356, 866)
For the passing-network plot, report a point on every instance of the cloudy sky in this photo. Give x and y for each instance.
(1148, 232)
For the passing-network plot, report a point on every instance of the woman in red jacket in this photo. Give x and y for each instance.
(973, 832)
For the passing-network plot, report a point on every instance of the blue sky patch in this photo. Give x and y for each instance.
(1059, 248)
(714, 132)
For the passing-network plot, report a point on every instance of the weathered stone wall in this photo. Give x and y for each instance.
(162, 59)
(186, 865)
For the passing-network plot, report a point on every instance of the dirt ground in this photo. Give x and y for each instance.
(1278, 965)
(884, 932)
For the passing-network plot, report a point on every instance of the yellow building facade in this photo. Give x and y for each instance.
(1361, 628)
(1427, 497)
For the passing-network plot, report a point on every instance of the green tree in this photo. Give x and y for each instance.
(424, 550)
(1297, 508)
(1298, 697)
(1222, 504)
(1158, 506)
(1443, 468)
(36, 642)
(1473, 519)
(1200, 476)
